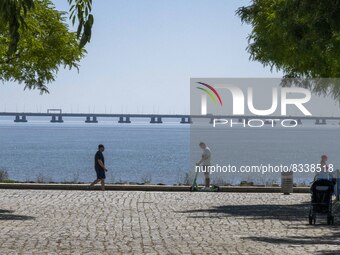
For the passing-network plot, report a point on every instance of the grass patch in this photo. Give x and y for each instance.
(8, 181)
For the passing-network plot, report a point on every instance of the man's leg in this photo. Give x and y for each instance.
(94, 182)
(207, 180)
(206, 177)
(102, 182)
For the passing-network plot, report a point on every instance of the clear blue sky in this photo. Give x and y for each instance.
(142, 55)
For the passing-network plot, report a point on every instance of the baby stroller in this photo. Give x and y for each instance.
(321, 202)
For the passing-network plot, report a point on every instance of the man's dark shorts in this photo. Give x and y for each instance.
(100, 174)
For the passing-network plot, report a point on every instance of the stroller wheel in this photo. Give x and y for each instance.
(314, 219)
(310, 220)
(217, 188)
(332, 220)
(329, 219)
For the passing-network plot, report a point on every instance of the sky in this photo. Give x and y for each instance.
(142, 56)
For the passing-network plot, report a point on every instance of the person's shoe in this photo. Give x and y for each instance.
(205, 189)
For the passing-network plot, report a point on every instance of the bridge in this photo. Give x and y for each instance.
(57, 116)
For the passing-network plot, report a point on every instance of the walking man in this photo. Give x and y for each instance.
(99, 166)
(205, 162)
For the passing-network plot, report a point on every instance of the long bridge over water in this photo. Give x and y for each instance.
(58, 117)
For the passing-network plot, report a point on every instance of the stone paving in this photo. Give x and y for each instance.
(132, 222)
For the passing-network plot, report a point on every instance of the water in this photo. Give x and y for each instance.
(65, 152)
(288, 147)
(142, 152)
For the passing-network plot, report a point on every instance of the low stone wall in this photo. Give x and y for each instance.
(238, 189)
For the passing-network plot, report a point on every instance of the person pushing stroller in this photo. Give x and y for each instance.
(324, 173)
(322, 190)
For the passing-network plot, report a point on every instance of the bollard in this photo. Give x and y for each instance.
(287, 183)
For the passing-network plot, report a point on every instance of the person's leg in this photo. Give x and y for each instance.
(94, 182)
(206, 177)
(102, 182)
(207, 180)
(97, 180)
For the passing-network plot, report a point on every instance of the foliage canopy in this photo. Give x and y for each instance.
(299, 37)
(45, 44)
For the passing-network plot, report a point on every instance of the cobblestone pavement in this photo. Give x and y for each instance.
(131, 222)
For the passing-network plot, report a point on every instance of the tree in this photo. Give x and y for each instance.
(299, 37)
(44, 45)
(81, 9)
(13, 13)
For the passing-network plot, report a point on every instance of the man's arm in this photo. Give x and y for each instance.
(100, 162)
(204, 157)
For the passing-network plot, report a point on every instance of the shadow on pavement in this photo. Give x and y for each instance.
(8, 215)
(325, 240)
(299, 240)
(292, 213)
(334, 252)
(296, 212)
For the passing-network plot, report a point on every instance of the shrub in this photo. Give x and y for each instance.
(3, 175)
(147, 178)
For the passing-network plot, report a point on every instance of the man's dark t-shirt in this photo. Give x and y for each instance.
(99, 155)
